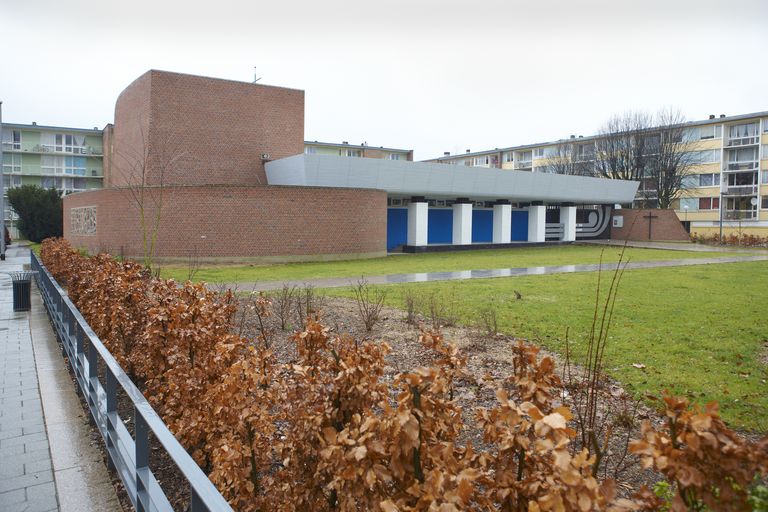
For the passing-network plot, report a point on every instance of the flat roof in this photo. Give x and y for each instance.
(437, 180)
(716, 120)
(46, 127)
(356, 146)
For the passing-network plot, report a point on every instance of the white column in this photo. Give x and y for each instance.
(537, 218)
(462, 223)
(502, 223)
(417, 223)
(568, 220)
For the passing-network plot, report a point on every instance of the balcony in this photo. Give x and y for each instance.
(743, 141)
(747, 165)
(69, 150)
(527, 165)
(11, 146)
(741, 190)
(740, 215)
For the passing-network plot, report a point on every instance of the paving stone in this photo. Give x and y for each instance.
(9, 498)
(28, 480)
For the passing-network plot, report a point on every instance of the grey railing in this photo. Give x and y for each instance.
(128, 455)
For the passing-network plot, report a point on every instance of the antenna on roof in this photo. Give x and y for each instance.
(256, 78)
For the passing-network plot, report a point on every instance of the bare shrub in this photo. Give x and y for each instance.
(443, 308)
(369, 301)
(308, 304)
(410, 300)
(193, 264)
(489, 319)
(283, 304)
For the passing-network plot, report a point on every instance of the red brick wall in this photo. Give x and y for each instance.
(205, 130)
(129, 134)
(240, 222)
(666, 226)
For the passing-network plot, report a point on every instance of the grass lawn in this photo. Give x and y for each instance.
(430, 262)
(699, 330)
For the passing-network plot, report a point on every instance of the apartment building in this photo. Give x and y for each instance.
(354, 150)
(727, 173)
(67, 159)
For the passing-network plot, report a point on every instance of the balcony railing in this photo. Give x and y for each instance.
(739, 214)
(743, 141)
(741, 190)
(747, 165)
(69, 150)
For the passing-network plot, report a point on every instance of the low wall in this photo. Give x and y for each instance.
(233, 223)
(636, 225)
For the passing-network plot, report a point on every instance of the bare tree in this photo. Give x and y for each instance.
(647, 148)
(572, 158)
(143, 171)
(671, 160)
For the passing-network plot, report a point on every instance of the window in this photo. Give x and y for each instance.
(764, 204)
(480, 161)
(739, 131)
(64, 143)
(12, 181)
(11, 163)
(12, 140)
(742, 155)
(709, 180)
(765, 177)
(765, 124)
(765, 151)
(689, 203)
(691, 181)
(509, 156)
(710, 132)
(354, 153)
(538, 153)
(310, 150)
(705, 203)
(707, 156)
(394, 156)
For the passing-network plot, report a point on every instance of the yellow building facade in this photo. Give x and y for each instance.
(726, 177)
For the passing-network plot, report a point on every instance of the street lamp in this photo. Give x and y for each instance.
(687, 227)
(723, 190)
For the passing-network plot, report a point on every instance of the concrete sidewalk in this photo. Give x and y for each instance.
(48, 460)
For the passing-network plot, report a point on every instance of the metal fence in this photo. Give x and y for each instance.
(128, 455)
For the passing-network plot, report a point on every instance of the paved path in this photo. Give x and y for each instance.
(337, 282)
(678, 246)
(48, 461)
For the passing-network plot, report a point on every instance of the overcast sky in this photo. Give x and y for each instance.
(429, 75)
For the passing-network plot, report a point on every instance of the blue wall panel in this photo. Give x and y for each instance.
(482, 226)
(440, 228)
(519, 226)
(397, 227)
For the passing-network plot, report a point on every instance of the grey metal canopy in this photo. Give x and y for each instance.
(442, 180)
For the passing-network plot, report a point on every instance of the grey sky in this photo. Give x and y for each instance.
(429, 75)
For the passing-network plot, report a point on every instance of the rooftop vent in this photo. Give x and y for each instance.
(34, 123)
(573, 136)
(722, 116)
(467, 151)
(711, 116)
(581, 136)
(446, 153)
(344, 142)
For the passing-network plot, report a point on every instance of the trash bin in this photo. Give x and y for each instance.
(22, 290)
